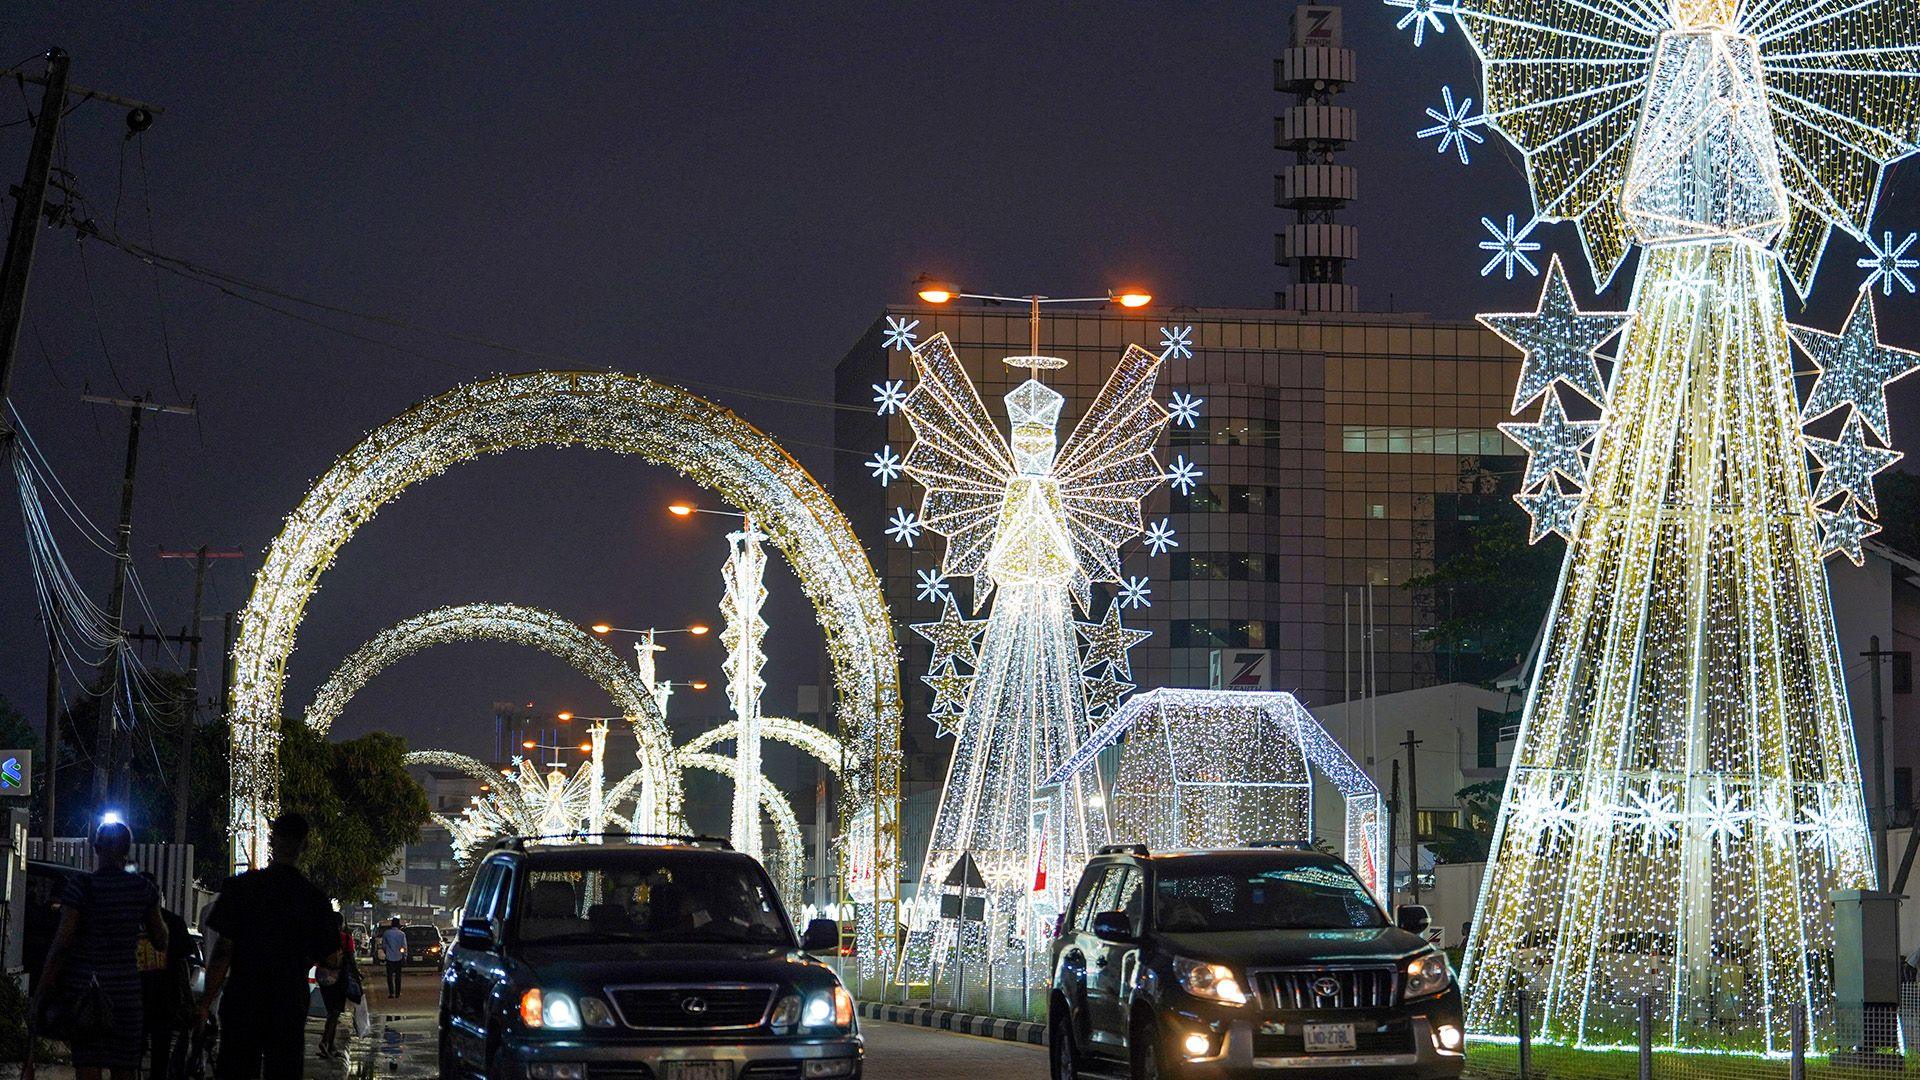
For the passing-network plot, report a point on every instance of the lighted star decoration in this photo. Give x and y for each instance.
(1183, 474)
(1849, 463)
(1854, 367)
(1104, 693)
(1888, 263)
(1159, 537)
(889, 396)
(1176, 342)
(885, 465)
(899, 333)
(1422, 15)
(949, 694)
(905, 526)
(1844, 530)
(952, 636)
(933, 586)
(1135, 592)
(1108, 642)
(1558, 341)
(1185, 408)
(1554, 444)
(1454, 125)
(1510, 247)
(1552, 511)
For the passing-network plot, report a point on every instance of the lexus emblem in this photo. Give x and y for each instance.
(693, 1005)
(1326, 987)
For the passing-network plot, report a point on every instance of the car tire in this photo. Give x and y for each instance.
(1063, 1057)
(449, 1068)
(1148, 1058)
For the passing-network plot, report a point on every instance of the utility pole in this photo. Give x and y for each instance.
(113, 746)
(1393, 827)
(52, 802)
(1413, 815)
(30, 201)
(183, 769)
(1875, 655)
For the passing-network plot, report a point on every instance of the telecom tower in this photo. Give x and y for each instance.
(1315, 69)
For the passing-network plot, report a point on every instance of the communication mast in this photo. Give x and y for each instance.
(1316, 246)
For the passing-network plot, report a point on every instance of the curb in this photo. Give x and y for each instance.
(991, 1027)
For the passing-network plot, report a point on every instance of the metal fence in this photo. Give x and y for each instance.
(1871, 1043)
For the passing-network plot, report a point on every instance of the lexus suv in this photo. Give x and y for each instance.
(667, 960)
(1237, 962)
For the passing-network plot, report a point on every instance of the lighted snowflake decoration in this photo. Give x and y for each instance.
(1654, 818)
(1510, 247)
(906, 526)
(1184, 475)
(1722, 819)
(933, 586)
(1454, 125)
(1176, 342)
(1185, 409)
(1888, 263)
(889, 396)
(1134, 593)
(1422, 15)
(1159, 537)
(1831, 827)
(899, 333)
(885, 465)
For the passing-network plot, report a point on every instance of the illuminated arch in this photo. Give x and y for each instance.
(609, 411)
(816, 743)
(786, 871)
(516, 625)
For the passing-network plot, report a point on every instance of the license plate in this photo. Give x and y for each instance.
(1328, 1038)
(697, 1070)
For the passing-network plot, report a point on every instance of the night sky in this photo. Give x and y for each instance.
(720, 192)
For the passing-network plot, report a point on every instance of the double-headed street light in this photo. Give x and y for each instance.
(696, 629)
(935, 291)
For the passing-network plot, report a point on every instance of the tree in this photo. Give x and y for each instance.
(360, 801)
(1489, 597)
(1473, 841)
(1898, 493)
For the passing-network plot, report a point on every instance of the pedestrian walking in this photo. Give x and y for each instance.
(166, 999)
(273, 925)
(339, 986)
(90, 966)
(393, 948)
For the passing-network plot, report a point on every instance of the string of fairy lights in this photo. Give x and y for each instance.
(1684, 796)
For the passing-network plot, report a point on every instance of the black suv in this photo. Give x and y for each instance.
(1237, 962)
(669, 960)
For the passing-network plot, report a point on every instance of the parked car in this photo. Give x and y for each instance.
(45, 882)
(673, 960)
(1238, 962)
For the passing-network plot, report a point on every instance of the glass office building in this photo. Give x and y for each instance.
(1340, 456)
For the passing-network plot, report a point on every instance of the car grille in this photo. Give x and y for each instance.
(1322, 988)
(691, 1008)
(1394, 1039)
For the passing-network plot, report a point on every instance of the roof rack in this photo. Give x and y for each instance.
(519, 843)
(1296, 845)
(1123, 849)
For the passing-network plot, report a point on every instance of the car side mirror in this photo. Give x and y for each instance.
(823, 935)
(476, 933)
(1413, 918)
(1113, 926)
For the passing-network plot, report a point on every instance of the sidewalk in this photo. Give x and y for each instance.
(400, 1046)
(991, 1027)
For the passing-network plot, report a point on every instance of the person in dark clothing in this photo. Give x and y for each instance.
(101, 917)
(163, 991)
(393, 949)
(334, 984)
(273, 925)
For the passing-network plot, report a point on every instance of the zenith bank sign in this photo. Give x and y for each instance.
(1240, 669)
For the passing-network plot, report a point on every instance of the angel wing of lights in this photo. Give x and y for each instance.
(1106, 466)
(1564, 79)
(958, 456)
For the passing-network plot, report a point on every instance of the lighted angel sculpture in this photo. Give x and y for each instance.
(1034, 523)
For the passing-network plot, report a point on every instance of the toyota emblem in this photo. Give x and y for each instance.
(693, 1005)
(1326, 987)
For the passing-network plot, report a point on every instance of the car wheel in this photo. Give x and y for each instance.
(449, 1068)
(1149, 1061)
(1063, 1057)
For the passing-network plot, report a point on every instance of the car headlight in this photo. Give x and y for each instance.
(549, 1009)
(1427, 974)
(830, 1009)
(1214, 982)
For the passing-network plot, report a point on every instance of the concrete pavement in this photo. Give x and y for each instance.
(899, 1052)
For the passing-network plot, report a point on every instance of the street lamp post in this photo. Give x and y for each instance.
(934, 291)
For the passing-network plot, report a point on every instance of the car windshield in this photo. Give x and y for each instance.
(422, 935)
(1205, 895)
(637, 899)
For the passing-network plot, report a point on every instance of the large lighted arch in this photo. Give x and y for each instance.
(516, 625)
(803, 736)
(610, 411)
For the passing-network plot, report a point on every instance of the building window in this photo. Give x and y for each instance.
(1427, 823)
(1494, 729)
(1902, 787)
(1903, 673)
(1424, 440)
